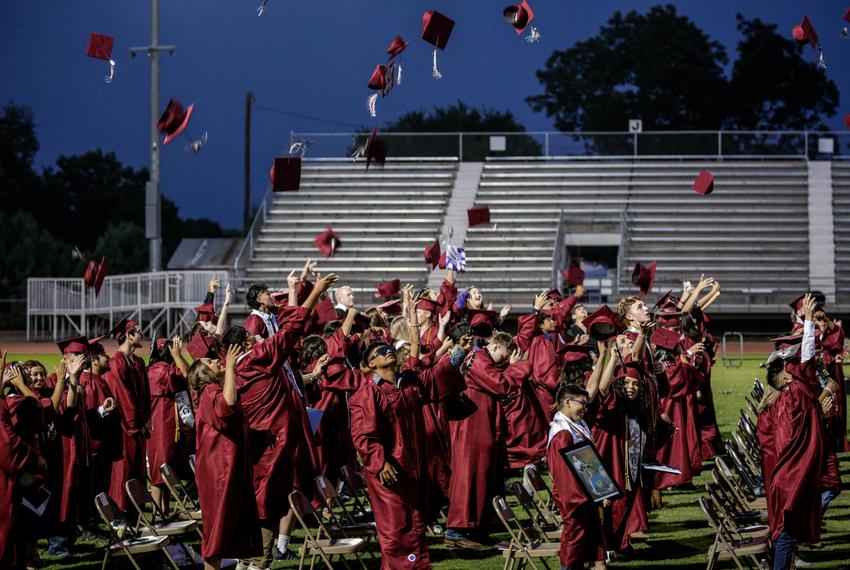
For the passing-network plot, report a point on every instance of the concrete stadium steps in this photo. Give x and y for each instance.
(753, 229)
(385, 217)
(841, 225)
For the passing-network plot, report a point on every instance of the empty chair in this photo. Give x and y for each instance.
(320, 543)
(525, 544)
(726, 545)
(185, 506)
(155, 522)
(341, 520)
(357, 491)
(542, 496)
(537, 518)
(123, 539)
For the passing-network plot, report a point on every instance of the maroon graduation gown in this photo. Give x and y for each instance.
(16, 457)
(104, 431)
(477, 443)
(171, 440)
(526, 427)
(682, 450)
(792, 455)
(387, 425)
(128, 382)
(281, 439)
(224, 474)
(581, 538)
(627, 515)
(711, 443)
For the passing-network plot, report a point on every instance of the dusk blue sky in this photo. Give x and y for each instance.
(311, 57)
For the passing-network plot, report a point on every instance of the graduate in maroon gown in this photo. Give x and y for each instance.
(478, 440)
(128, 382)
(582, 537)
(272, 400)
(103, 424)
(172, 438)
(388, 430)
(792, 446)
(224, 473)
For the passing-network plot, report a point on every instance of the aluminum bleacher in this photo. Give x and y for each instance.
(751, 232)
(841, 224)
(385, 217)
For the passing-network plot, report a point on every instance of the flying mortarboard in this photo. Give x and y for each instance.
(77, 344)
(805, 33)
(478, 216)
(797, 304)
(388, 288)
(328, 242)
(397, 46)
(95, 274)
(436, 29)
(391, 308)
(100, 47)
(704, 183)
(325, 312)
(520, 16)
(432, 254)
(173, 123)
(644, 277)
(285, 174)
(376, 149)
(426, 305)
(847, 120)
(603, 324)
(573, 275)
(383, 79)
(206, 313)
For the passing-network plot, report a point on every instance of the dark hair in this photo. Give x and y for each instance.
(461, 329)
(574, 372)
(199, 377)
(567, 391)
(689, 328)
(774, 369)
(637, 408)
(331, 328)
(29, 364)
(162, 354)
(312, 348)
(254, 291)
(234, 335)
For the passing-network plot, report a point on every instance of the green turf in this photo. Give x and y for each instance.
(679, 535)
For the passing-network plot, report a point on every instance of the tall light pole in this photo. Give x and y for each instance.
(153, 216)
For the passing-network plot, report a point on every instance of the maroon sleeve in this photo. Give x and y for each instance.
(273, 352)
(562, 310)
(545, 363)
(15, 453)
(255, 326)
(526, 326)
(483, 375)
(365, 429)
(442, 379)
(447, 297)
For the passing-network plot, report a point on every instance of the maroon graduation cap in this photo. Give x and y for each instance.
(100, 47)
(397, 46)
(174, 120)
(603, 324)
(644, 277)
(704, 183)
(805, 33)
(478, 216)
(426, 305)
(388, 288)
(519, 16)
(436, 29)
(664, 338)
(482, 321)
(376, 149)
(382, 79)
(206, 313)
(285, 174)
(95, 274)
(325, 311)
(432, 254)
(328, 242)
(200, 345)
(75, 345)
(392, 307)
(575, 352)
(573, 275)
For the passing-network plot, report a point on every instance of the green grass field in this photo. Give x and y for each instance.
(679, 534)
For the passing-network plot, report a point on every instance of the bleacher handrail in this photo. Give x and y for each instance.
(246, 249)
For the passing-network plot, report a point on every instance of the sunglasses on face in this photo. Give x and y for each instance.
(384, 350)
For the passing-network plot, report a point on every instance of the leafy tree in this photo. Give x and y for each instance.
(457, 118)
(125, 248)
(18, 146)
(661, 68)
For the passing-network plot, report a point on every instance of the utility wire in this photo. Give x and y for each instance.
(308, 117)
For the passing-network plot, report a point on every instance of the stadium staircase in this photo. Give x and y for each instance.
(841, 224)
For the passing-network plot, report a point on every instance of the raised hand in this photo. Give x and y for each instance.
(233, 352)
(506, 310)
(291, 280)
(76, 366)
(809, 306)
(108, 405)
(323, 283)
(176, 347)
(309, 269)
(515, 357)
(213, 285)
(541, 300)
(320, 365)
(61, 369)
(228, 294)
(444, 319)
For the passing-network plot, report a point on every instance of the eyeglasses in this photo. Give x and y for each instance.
(384, 350)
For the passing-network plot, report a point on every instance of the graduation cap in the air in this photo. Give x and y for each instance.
(432, 254)
(436, 29)
(383, 80)
(804, 33)
(388, 288)
(376, 149)
(95, 274)
(520, 16)
(704, 183)
(478, 216)
(573, 275)
(328, 242)
(644, 277)
(100, 47)
(173, 123)
(603, 324)
(285, 174)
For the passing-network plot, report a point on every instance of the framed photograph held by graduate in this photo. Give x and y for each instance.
(585, 463)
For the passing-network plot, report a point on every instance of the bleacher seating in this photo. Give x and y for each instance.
(751, 232)
(841, 224)
(385, 217)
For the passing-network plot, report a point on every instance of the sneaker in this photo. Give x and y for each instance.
(288, 554)
(639, 536)
(56, 547)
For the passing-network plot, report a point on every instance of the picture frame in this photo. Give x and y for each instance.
(586, 464)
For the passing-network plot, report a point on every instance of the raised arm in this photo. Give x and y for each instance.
(229, 387)
(349, 321)
(176, 349)
(56, 397)
(594, 382)
(222, 318)
(74, 370)
(692, 299)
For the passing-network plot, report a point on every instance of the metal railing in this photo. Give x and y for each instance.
(249, 242)
(479, 146)
(62, 306)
